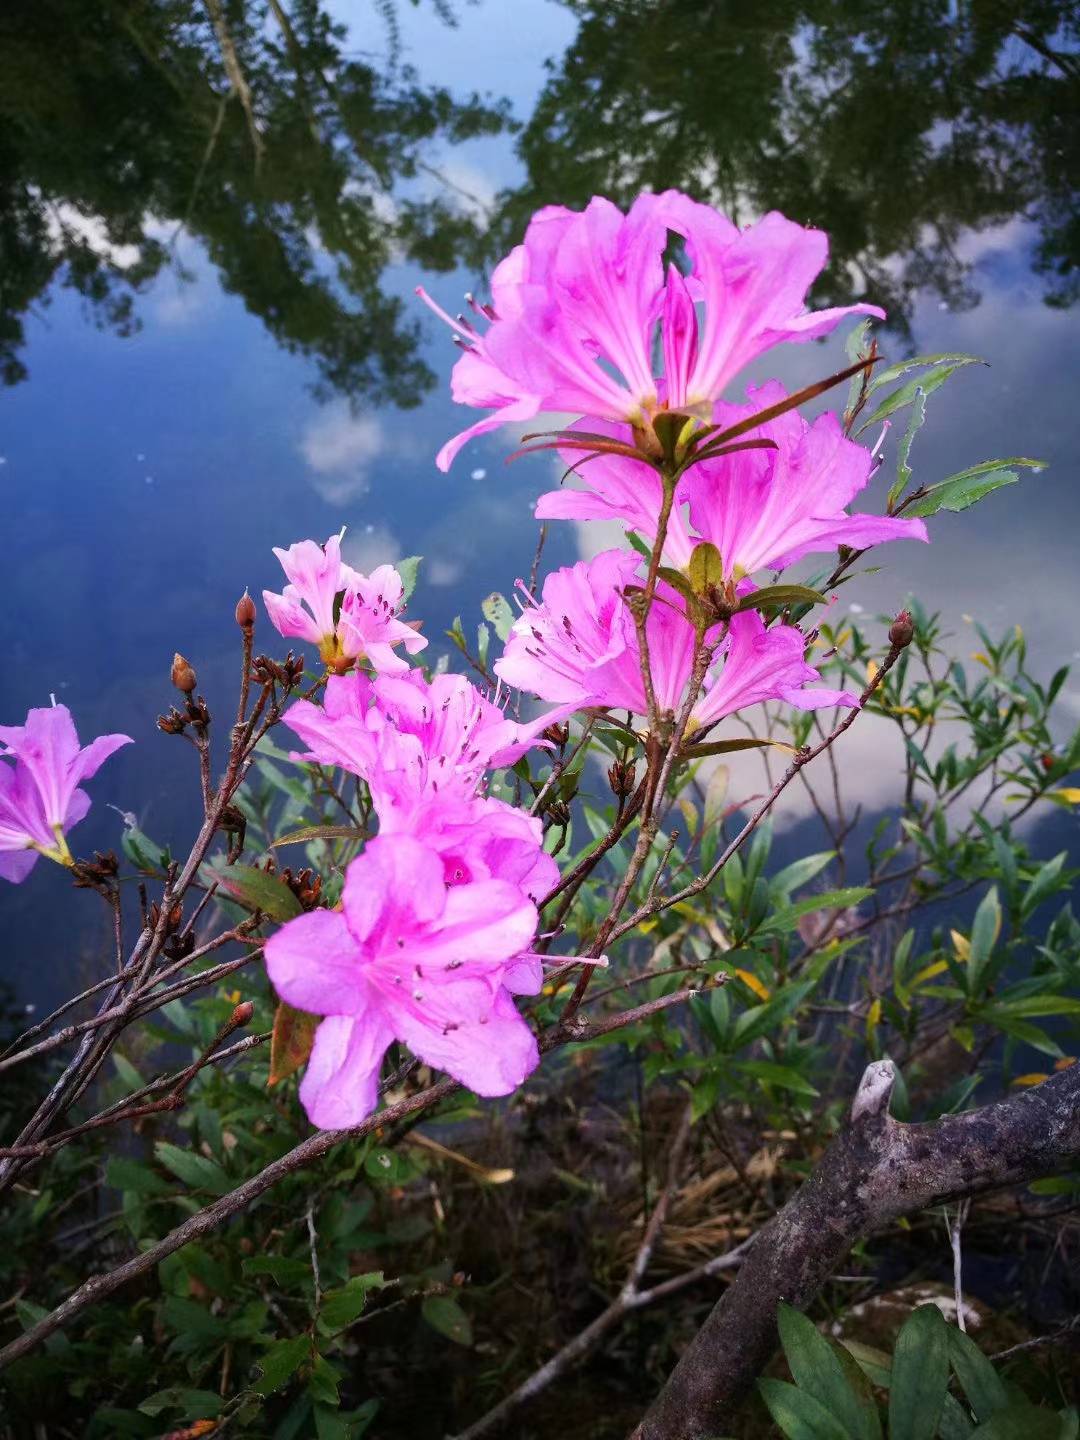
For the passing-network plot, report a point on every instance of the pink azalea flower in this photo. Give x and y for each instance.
(406, 958)
(413, 740)
(486, 839)
(367, 624)
(762, 509)
(576, 306)
(40, 799)
(765, 509)
(580, 645)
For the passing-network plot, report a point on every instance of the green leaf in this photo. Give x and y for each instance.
(891, 373)
(638, 544)
(499, 614)
(286, 1272)
(444, 1314)
(788, 917)
(308, 833)
(124, 1174)
(798, 1415)
(726, 747)
(193, 1404)
(903, 469)
(195, 1170)
(984, 933)
(256, 890)
(780, 595)
(958, 492)
(930, 380)
(978, 1379)
(706, 568)
(1021, 1421)
(1029, 1005)
(408, 569)
(281, 1361)
(800, 872)
(145, 854)
(818, 1371)
(324, 1382)
(341, 1307)
(875, 1364)
(774, 1074)
(955, 1422)
(920, 1375)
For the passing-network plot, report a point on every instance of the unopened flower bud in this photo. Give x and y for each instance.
(901, 630)
(621, 777)
(183, 676)
(242, 1014)
(245, 612)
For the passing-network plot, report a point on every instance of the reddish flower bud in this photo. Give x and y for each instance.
(245, 612)
(183, 676)
(242, 1014)
(901, 630)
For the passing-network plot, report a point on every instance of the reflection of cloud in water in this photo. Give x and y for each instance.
(368, 547)
(339, 448)
(442, 571)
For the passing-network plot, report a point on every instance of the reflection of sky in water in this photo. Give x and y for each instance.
(146, 479)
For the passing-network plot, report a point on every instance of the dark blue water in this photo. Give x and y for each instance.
(268, 395)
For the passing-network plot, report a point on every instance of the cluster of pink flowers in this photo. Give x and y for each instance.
(345, 614)
(42, 767)
(439, 913)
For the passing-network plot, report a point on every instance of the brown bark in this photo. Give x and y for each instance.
(874, 1171)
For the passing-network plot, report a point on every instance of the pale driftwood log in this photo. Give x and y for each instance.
(874, 1171)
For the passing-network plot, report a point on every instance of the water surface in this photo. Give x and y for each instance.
(210, 344)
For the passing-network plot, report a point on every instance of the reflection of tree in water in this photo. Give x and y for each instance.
(123, 121)
(896, 125)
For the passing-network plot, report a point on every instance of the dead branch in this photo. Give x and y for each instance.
(874, 1171)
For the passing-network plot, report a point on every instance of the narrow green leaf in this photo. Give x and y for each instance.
(920, 1375)
(978, 1379)
(780, 595)
(195, 1170)
(787, 1079)
(895, 372)
(930, 380)
(446, 1316)
(958, 492)
(984, 934)
(1020, 1421)
(798, 1415)
(307, 833)
(256, 890)
(903, 469)
(727, 747)
(788, 917)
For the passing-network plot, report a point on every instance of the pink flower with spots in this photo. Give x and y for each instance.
(576, 308)
(579, 645)
(364, 624)
(414, 741)
(407, 958)
(40, 798)
(762, 509)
